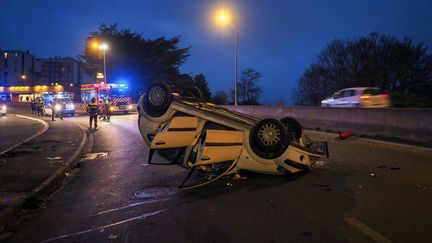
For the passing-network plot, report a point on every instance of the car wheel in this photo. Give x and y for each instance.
(157, 99)
(73, 113)
(292, 127)
(192, 92)
(269, 138)
(125, 112)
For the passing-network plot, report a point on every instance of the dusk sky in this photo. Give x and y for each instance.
(278, 38)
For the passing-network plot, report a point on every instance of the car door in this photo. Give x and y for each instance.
(179, 132)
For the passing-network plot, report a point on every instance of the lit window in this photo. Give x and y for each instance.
(16, 54)
(5, 55)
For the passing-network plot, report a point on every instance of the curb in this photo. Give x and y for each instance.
(7, 214)
(41, 131)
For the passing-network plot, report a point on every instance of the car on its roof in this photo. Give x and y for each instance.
(366, 97)
(213, 141)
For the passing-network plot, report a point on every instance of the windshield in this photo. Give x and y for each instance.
(376, 91)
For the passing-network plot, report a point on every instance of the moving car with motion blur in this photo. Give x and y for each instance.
(3, 107)
(69, 107)
(211, 141)
(367, 97)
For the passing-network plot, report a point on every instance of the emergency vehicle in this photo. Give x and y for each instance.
(118, 93)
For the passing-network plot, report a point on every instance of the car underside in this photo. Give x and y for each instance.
(212, 141)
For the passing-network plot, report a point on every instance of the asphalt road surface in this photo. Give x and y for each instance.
(14, 129)
(366, 192)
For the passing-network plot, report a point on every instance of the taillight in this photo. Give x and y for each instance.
(364, 97)
(387, 96)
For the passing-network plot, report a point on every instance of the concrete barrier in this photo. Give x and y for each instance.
(410, 125)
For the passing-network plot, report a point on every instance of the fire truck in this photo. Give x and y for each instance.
(118, 93)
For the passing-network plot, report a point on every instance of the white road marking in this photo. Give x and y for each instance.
(105, 226)
(366, 230)
(131, 205)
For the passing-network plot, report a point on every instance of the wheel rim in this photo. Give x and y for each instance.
(269, 134)
(157, 96)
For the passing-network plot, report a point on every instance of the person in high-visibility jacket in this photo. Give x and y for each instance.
(108, 108)
(93, 109)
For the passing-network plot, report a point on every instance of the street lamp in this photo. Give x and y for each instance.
(223, 17)
(104, 47)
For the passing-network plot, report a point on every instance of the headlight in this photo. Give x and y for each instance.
(4, 108)
(130, 107)
(111, 108)
(58, 107)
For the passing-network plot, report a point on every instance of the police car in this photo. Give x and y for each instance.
(69, 106)
(3, 107)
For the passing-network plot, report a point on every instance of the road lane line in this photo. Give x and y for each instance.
(131, 205)
(366, 230)
(41, 131)
(143, 216)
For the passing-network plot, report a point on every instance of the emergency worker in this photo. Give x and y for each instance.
(108, 105)
(58, 106)
(33, 107)
(93, 109)
(40, 107)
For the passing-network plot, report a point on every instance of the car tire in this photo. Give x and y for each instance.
(72, 113)
(157, 99)
(125, 112)
(292, 127)
(192, 92)
(269, 134)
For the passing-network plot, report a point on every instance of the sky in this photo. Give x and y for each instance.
(278, 38)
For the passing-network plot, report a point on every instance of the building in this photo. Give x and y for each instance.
(24, 77)
(16, 68)
(64, 71)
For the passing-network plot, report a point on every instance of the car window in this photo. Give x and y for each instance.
(337, 95)
(348, 93)
(373, 91)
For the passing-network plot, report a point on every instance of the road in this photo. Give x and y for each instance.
(14, 129)
(366, 192)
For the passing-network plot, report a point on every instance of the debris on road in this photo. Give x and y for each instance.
(67, 174)
(239, 177)
(394, 168)
(419, 186)
(112, 236)
(92, 156)
(325, 186)
(360, 186)
(372, 174)
(382, 166)
(344, 134)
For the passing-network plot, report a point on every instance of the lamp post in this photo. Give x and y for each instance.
(224, 18)
(104, 47)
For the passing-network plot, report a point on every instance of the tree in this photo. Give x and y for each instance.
(220, 98)
(200, 82)
(248, 91)
(399, 67)
(132, 57)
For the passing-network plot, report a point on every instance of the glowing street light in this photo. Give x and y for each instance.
(223, 17)
(104, 47)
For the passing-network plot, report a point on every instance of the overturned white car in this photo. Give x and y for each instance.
(213, 141)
